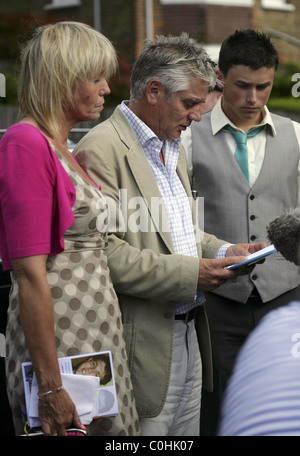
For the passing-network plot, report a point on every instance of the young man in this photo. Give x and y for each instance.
(153, 254)
(238, 206)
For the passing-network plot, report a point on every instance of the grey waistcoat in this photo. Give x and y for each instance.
(238, 213)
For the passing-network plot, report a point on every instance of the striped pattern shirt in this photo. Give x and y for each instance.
(263, 394)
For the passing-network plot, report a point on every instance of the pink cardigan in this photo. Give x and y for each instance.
(36, 196)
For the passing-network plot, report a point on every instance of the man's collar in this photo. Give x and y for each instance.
(219, 119)
(142, 130)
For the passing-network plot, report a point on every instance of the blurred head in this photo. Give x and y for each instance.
(174, 61)
(211, 99)
(249, 48)
(55, 62)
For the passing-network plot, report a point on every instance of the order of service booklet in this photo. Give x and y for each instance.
(89, 381)
(255, 257)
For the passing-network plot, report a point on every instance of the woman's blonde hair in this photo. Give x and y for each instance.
(53, 62)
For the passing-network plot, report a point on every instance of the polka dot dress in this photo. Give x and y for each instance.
(86, 310)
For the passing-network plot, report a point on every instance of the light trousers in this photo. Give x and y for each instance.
(180, 415)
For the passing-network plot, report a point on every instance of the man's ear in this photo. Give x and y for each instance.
(153, 91)
(220, 78)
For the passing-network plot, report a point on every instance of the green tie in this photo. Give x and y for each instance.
(241, 152)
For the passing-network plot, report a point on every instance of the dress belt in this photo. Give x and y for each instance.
(187, 317)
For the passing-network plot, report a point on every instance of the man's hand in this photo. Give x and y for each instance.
(213, 273)
(245, 249)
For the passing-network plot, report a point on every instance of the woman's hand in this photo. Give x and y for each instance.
(57, 412)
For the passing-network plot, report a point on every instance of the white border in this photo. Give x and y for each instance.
(279, 5)
(244, 3)
(56, 4)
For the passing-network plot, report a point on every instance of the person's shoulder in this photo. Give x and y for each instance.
(285, 315)
(272, 330)
(280, 118)
(113, 135)
(27, 141)
(25, 134)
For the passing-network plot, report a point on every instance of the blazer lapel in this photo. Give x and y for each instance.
(140, 167)
(183, 174)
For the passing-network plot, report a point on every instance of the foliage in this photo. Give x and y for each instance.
(283, 82)
(120, 84)
(288, 104)
(16, 29)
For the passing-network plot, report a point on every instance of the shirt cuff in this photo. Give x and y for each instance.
(222, 251)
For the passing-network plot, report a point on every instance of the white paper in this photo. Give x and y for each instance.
(92, 399)
(83, 390)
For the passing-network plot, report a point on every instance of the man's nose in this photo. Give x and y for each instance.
(195, 113)
(251, 95)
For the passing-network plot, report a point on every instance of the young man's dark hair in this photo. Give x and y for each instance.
(250, 48)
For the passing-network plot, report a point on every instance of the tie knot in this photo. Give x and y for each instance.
(241, 137)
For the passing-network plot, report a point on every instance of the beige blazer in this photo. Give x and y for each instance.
(148, 276)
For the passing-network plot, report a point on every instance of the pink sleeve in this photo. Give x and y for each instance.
(28, 176)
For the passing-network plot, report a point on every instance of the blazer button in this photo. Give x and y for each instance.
(168, 314)
(252, 217)
(252, 238)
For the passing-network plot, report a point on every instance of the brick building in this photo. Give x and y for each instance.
(281, 20)
(128, 22)
(211, 21)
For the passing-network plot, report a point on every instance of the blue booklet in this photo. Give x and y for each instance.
(255, 257)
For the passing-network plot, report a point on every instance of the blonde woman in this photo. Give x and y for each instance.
(62, 301)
